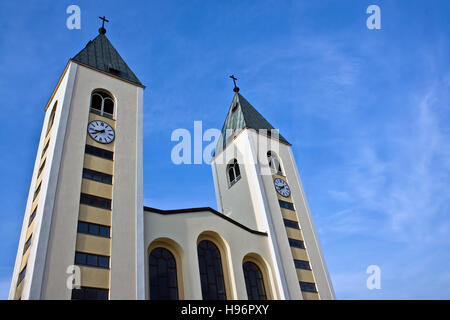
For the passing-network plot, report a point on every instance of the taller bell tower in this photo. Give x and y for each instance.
(257, 183)
(84, 214)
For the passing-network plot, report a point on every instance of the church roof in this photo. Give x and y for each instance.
(243, 115)
(101, 55)
(204, 209)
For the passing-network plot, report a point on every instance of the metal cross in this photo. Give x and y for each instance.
(104, 20)
(236, 89)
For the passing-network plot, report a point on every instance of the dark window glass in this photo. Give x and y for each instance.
(27, 244)
(296, 243)
(291, 224)
(95, 201)
(108, 106)
(163, 275)
(286, 205)
(97, 176)
(308, 286)
(102, 153)
(231, 174)
(41, 168)
(103, 262)
(45, 148)
(33, 215)
(83, 227)
(22, 275)
(254, 282)
(37, 191)
(104, 231)
(93, 228)
(102, 104)
(89, 294)
(80, 258)
(234, 174)
(51, 120)
(102, 294)
(211, 273)
(92, 260)
(96, 102)
(302, 264)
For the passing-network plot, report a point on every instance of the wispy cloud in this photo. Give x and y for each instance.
(404, 177)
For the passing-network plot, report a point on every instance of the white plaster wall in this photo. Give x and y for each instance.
(185, 228)
(38, 249)
(236, 201)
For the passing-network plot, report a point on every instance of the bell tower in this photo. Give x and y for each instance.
(83, 221)
(257, 183)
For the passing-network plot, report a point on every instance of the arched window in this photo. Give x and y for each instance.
(274, 163)
(234, 174)
(102, 103)
(211, 272)
(254, 281)
(163, 275)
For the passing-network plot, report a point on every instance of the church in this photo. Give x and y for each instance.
(87, 234)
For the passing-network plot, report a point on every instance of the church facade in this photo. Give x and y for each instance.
(86, 233)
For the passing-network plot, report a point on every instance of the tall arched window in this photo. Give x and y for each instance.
(274, 163)
(211, 272)
(102, 103)
(233, 171)
(163, 275)
(254, 281)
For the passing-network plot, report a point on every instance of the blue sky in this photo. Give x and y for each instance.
(367, 112)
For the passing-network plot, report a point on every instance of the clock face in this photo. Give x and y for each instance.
(282, 187)
(101, 132)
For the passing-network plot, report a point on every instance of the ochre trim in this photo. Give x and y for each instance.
(57, 86)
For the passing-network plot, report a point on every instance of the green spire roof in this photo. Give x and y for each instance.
(101, 55)
(243, 115)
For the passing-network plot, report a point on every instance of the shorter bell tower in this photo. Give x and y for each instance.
(257, 183)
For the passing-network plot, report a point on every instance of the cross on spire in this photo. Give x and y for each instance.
(235, 89)
(102, 30)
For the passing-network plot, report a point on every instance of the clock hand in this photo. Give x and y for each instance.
(99, 131)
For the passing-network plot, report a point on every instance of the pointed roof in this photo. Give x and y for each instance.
(243, 115)
(101, 55)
